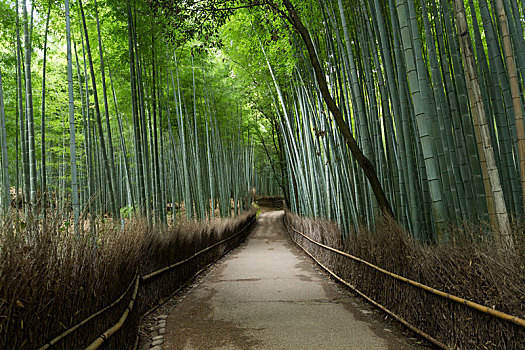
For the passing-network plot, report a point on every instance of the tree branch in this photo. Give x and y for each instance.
(362, 160)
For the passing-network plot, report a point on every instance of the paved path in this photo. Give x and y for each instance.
(268, 295)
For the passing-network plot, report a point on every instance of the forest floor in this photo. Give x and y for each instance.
(267, 294)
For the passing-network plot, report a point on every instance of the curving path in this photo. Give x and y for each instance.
(269, 295)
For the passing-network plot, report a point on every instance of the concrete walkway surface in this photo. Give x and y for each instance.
(269, 295)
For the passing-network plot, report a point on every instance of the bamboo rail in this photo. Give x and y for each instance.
(169, 267)
(478, 307)
(399, 318)
(86, 320)
(108, 333)
(184, 285)
(136, 281)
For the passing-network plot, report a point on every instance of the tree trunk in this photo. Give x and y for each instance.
(43, 119)
(29, 111)
(362, 160)
(134, 108)
(502, 235)
(72, 145)
(6, 199)
(160, 211)
(105, 160)
(20, 107)
(106, 108)
(514, 89)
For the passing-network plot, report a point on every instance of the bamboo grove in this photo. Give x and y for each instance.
(120, 125)
(413, 108)
(433, 93)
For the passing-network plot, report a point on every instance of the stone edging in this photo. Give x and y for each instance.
(157, 332)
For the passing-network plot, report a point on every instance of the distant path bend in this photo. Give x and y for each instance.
(268, 295)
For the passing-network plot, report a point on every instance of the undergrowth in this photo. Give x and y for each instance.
(467, 266)
(52, 278)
